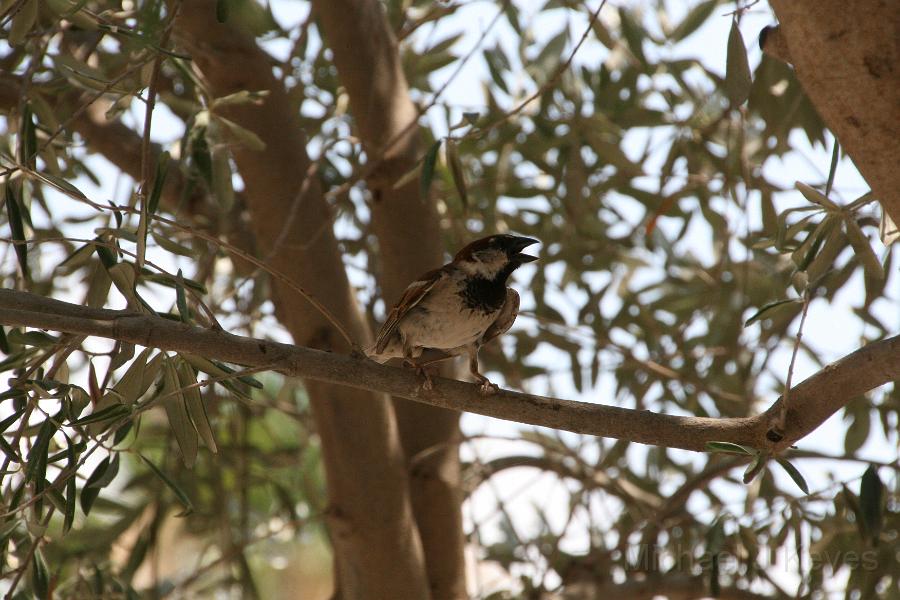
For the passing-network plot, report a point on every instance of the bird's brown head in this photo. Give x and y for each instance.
(495, 254)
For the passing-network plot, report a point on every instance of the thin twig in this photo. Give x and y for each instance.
(143, 225)
(235, 251)
(782, 412)
(481, 132)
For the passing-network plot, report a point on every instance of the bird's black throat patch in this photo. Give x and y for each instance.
(484, 295)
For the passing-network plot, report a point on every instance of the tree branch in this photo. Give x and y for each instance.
(812, 401)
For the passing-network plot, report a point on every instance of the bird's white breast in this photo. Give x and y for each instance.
(437, 322)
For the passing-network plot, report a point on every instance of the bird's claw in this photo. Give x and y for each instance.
(421, 370)
(427, 385)
(487, 388)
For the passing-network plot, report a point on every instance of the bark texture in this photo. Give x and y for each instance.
(409, 239)
(811, 401)
(847, 57)
(379, 554)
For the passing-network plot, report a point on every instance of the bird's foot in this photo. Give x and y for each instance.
(427, 384)
(487, 388)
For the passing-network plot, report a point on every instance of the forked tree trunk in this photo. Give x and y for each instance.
(376, 542)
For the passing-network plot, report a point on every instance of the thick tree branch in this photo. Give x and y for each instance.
(847, 62)
(812, 401)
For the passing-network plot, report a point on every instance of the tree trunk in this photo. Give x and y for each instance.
(409, 237)
(848, 62)
(378, 551)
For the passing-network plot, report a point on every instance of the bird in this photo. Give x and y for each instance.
(456, 309)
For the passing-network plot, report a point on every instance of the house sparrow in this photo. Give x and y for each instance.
(456, 309)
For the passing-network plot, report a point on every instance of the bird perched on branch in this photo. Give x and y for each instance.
(456, 309)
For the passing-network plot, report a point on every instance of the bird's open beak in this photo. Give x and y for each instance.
(520, 244)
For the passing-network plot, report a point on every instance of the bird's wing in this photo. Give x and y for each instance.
(505, 319)
(410, 298)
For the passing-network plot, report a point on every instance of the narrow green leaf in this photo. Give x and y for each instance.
(728, 448)
(9, 526)
(17, 228)
(170, 281)
(767, 308)
(456, 170)
(177, 414)
(32, 338)
(832, 170)
(205, 365)
(141, 234)
(863, 249)
(755, 467)
(130, 385)
(794, 473)
(123, 277)
(60, 184)
(5, 423)
(40, 580)
(696, 17)
(110, 413)
(152, 371)
(824, 260)
(409, 176)
(71, 487)
(117, 214)
(428, 169)
(871, 491)
(246, 137)
(815, 196)
(37, 458)
(222, 185)
(738, 78)
(633, 33)
(82, 75)
(159, 181)
(80, 257)
(171, 246)
(498, 64)
(246, 379)
(4, 343)
(103, 473)
(123, 352)
(107, 257)
(238, 98)
(180, 299)
(122, 432)
(22, 22)
(182, 497)
(9, 451)
(88, 497)
(28, 140)
(194, 402)
(783, 234)
(809, 249)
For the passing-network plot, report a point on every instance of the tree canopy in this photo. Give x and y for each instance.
(209, 207)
